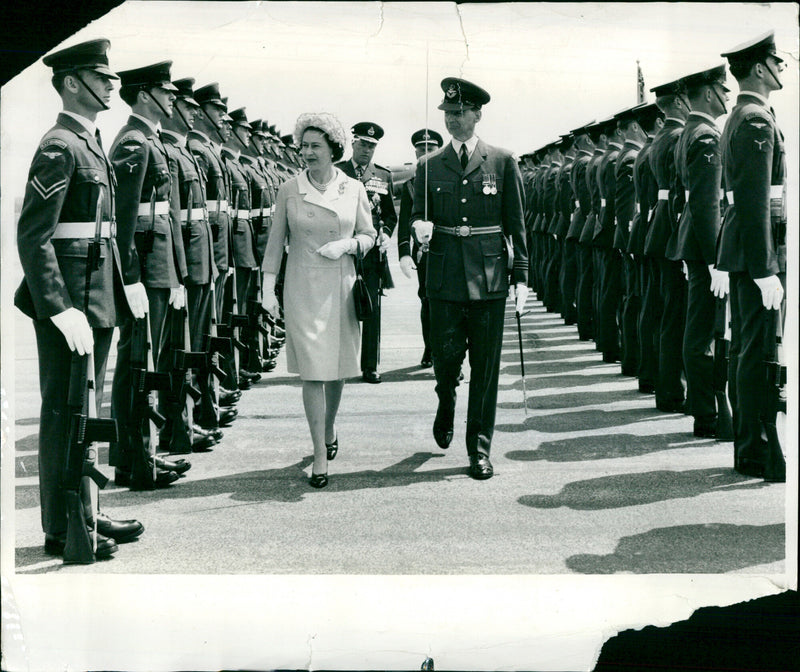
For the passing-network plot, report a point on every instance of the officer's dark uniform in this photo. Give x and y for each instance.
(565, 204)
(699, 167)
(408, 246)
(378, 183)
(752, 244)
(144, 176)
(57, 222)
(549, 222)
(473, 209)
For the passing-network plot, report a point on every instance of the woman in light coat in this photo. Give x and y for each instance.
(322, 216)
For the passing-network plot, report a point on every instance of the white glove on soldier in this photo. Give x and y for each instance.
(383, 242)
(771, 291)
(407, 266)
(521, 296)
(720, 282)
(177, 297)
(423, 230)
(137, 299)
(77, 332)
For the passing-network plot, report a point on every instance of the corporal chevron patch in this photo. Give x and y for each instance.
(47, 192)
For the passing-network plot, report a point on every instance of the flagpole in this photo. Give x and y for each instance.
(427, 132)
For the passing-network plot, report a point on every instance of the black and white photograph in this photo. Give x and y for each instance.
(385, 335)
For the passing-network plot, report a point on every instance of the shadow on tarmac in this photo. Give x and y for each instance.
(621, 490)
(562, 400)
(603, 447)
(570, 421)
(694, 549)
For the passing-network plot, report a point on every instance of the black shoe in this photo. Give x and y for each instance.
(229, 397)
(610, 357)
(426, 363)
(252, 376)
(677, 406)
(333, 448)
(647, 388)
(480, 468)
(245, 384)
(121, 531)
(705, 431)
(227, 416)
(749, 468)
(54, 545)
(630, 372)
(269, 365)
(178, 466)
(163, 478)
(371, 377)
(442, 429)
(318, 480)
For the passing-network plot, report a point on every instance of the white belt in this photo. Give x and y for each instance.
(721, 195)
(197, 214)
(776, 191)
(81, 230)
(212, 205)
(241, 214)
(602, 202)
(577, 204)
(638, 207)
(686, 195)
(161, 208)
(663, 194)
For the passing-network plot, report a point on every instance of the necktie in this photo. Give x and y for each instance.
(464, 157)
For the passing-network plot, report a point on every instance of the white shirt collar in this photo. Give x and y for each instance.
(703, 115)
(155, 127)
(83, 121)
(471, 144)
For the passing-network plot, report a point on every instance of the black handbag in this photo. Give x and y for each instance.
(361, 297)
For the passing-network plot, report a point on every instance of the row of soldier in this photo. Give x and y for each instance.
(628, 241)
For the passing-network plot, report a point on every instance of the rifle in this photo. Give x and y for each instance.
(775, 463)
(720, 375)
(145, 419)
(183, 360)
(84, 428)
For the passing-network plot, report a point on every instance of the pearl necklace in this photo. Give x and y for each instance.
(318, 185)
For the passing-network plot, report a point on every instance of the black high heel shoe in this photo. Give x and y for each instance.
(333, 448)
(318, 480)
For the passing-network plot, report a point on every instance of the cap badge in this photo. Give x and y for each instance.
(426, 136)
(451, 92)
(370, 131)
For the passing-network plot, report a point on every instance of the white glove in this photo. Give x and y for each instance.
(137, 299)
(423, 230)
(336, 248)
(685, 268)
(75, 327)
(521, 296)
(720, 283)
(269, 301)
(771, 291)
(177, 297)
(407, 266)
(231, 270)
(383, 242)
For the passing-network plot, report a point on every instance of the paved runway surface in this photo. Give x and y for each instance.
(593, 480)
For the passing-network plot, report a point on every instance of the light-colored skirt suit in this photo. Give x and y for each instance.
(322, 332)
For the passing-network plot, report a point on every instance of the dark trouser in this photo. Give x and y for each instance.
(371, 327)
(476, 326)
(649, 320)
(198, 303)
(669, 386)
(698, 338)
(751, 329)
(610, 304)
(425, 308)
(552, 293)
(584, 292)
(55, 361)
(597, 288)
(569, 281)
(121, 392)
(631, 308)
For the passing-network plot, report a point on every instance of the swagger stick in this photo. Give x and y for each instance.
(522, 363)
(427, 60)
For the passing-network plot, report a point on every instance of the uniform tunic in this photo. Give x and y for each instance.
(322, 331)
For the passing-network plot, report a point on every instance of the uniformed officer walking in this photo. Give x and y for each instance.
(752, 242)
(414, 255)
(74, 307)
(474, 202)
(378, 183)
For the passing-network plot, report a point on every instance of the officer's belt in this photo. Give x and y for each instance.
(197, 214)
(602, 202)
(686, 195)
(466, 231)
(663, 194)
(638, 208)
(161, 208)
(212, 206)
(577, 204)
(775, 193)
(240, 214)
(76, 230)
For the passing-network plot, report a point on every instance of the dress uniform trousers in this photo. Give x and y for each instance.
(584, 292)
(698, 338)
(55, 360)
(371, 327)
(454, 324)
(649, 320)
(669, 384)
(198, 305)
(631, 309)
(610, 304)
(751, 332)
(569, 280)
(425, 308)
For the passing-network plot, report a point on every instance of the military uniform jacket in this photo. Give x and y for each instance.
(565, 198)
(407, 244)
(753, 235)
(662, 163)
(538, 197)
(699, 166)
(580, 193)
(550, 217)
(241, 230)
(188, 208)
(625, 194)
(215, 179)
(607, 186)
(260, 198)
(646, 195)
(587, 235)
(472, 268)
(68, 172)
(142, 167)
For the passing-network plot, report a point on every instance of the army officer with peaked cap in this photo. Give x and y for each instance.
(474, 202)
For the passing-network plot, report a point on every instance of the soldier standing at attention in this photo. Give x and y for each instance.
(474, 200)
(415, 256)
(155, 256)
(752, 243)
(700, 171)
(378, 183)
(69, 175)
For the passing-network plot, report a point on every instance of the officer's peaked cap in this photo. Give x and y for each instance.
(714, 75)
(459, 93)
(426, 136)
(754, 50)
(240, 118)
(84, 56)
(148, 76)
(184, 87)
(209, 95)
(367, 130)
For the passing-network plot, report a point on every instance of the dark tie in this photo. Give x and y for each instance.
(464, 157)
